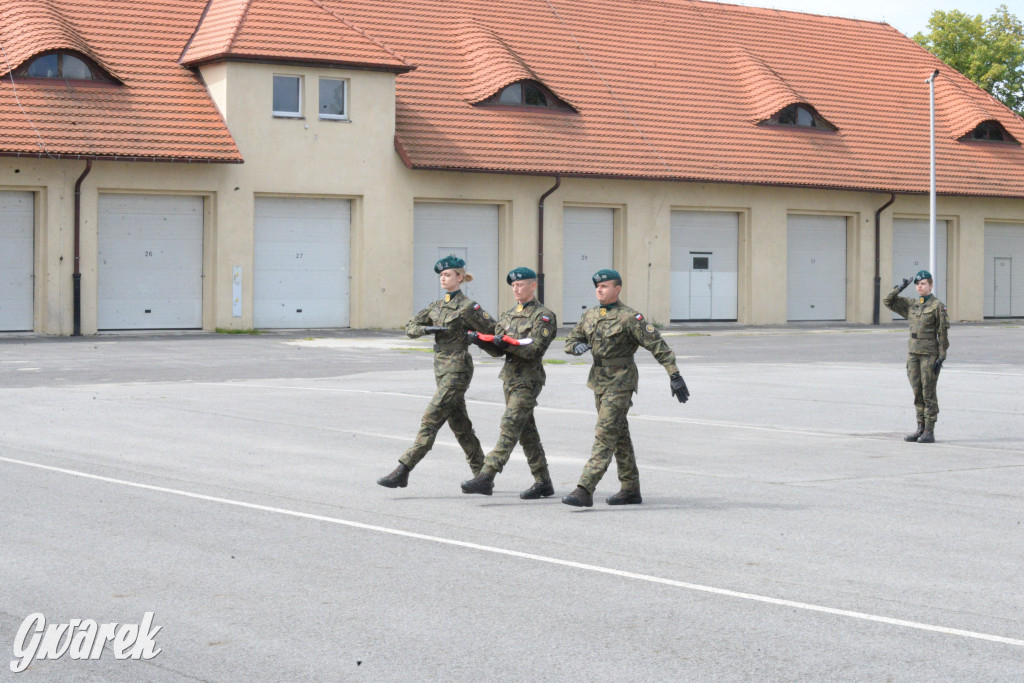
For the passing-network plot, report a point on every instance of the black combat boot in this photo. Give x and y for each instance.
(625, 497)
(481, 483)
(580, 498)
(929, 434)
(916, 435)
(540, 489)
(399, 478)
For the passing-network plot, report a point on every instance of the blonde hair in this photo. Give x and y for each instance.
(466, 277)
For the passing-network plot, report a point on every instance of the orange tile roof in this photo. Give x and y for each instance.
(665, 89)
(672, 89)
(285, 31)
(162, 111)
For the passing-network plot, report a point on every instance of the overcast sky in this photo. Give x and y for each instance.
(907, 16)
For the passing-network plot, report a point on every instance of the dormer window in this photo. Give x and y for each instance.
(66, 66)
(800, 116)
(989, 131)
(526, 94)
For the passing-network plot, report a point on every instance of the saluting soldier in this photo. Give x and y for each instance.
(448, 319)
(523, 376)
(612, 331)
(929, 340)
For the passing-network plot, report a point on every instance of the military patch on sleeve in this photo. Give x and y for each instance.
(545, 318)
(487, 316)
(544, 332)
(476, 307)
(639, 317)
(650, 327)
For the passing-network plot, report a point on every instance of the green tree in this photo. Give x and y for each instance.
(990, 52)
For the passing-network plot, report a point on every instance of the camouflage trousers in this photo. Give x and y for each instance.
(921, 373)
(447, 405)
(611, 438)
(518, 426)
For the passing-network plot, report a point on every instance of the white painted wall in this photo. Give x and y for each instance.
(816, 267)
(709, 294)
(587, 247)
(1004, 270)
(150, 262)
(470, 231)
(301, 264)
(17, 223)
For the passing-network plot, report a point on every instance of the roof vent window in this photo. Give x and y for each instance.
(62, 66)
(800, 116)
(526, 94)
(990, 131)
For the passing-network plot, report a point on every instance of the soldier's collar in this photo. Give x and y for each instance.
(522, 307)
(607, 307)
(923, 299)
(451, 295)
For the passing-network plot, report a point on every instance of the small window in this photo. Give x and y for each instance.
(63, 66)
(701, 263)
(800, 116)
(287, 96)
(333, 99)
(526, 94)
(989, 131)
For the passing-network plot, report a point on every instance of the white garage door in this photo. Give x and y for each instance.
(301, 262)
(910, 253)
(150, 262)
(470, 231)
(1004, 270)
(16, 258)
(816, 268)
(587, 245)
(704, 263)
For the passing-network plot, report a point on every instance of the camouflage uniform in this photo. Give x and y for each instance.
(614, 331)
(453, 370)
(929, 339)
(523, 376)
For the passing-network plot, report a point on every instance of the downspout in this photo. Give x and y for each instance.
(76, 278)
(540, 239)
(878, 258)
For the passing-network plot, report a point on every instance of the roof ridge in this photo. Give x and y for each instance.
(238, 26)
(361, 32)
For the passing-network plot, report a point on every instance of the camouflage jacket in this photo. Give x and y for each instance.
(524, 363)
(929, 323)
(459, 314)
(614, 333)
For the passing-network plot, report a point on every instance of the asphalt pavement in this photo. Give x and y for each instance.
(226, 484)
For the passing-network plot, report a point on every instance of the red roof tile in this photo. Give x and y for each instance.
(161, 112)
(285, 31)
(672, 89)
(665, 89)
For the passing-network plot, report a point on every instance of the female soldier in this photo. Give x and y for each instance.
(448, 319)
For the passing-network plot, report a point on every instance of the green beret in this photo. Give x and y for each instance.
(449, 261)
(520, 274)
(606, 274)
(923, 275)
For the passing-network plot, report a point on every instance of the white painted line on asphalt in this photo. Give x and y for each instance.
(537, 558)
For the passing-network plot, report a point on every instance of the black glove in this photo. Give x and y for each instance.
(937, 366)
(500, 343)
(474, 338)
(580, 348)
(903, 285)
(431, 329)
(679, 389)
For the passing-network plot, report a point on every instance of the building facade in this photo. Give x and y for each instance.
(237, 170)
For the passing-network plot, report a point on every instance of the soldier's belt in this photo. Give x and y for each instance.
(605, 362)
(517, 359)
(450, 346)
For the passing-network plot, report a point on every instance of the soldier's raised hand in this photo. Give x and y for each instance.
(903, 285)
(678, 386)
